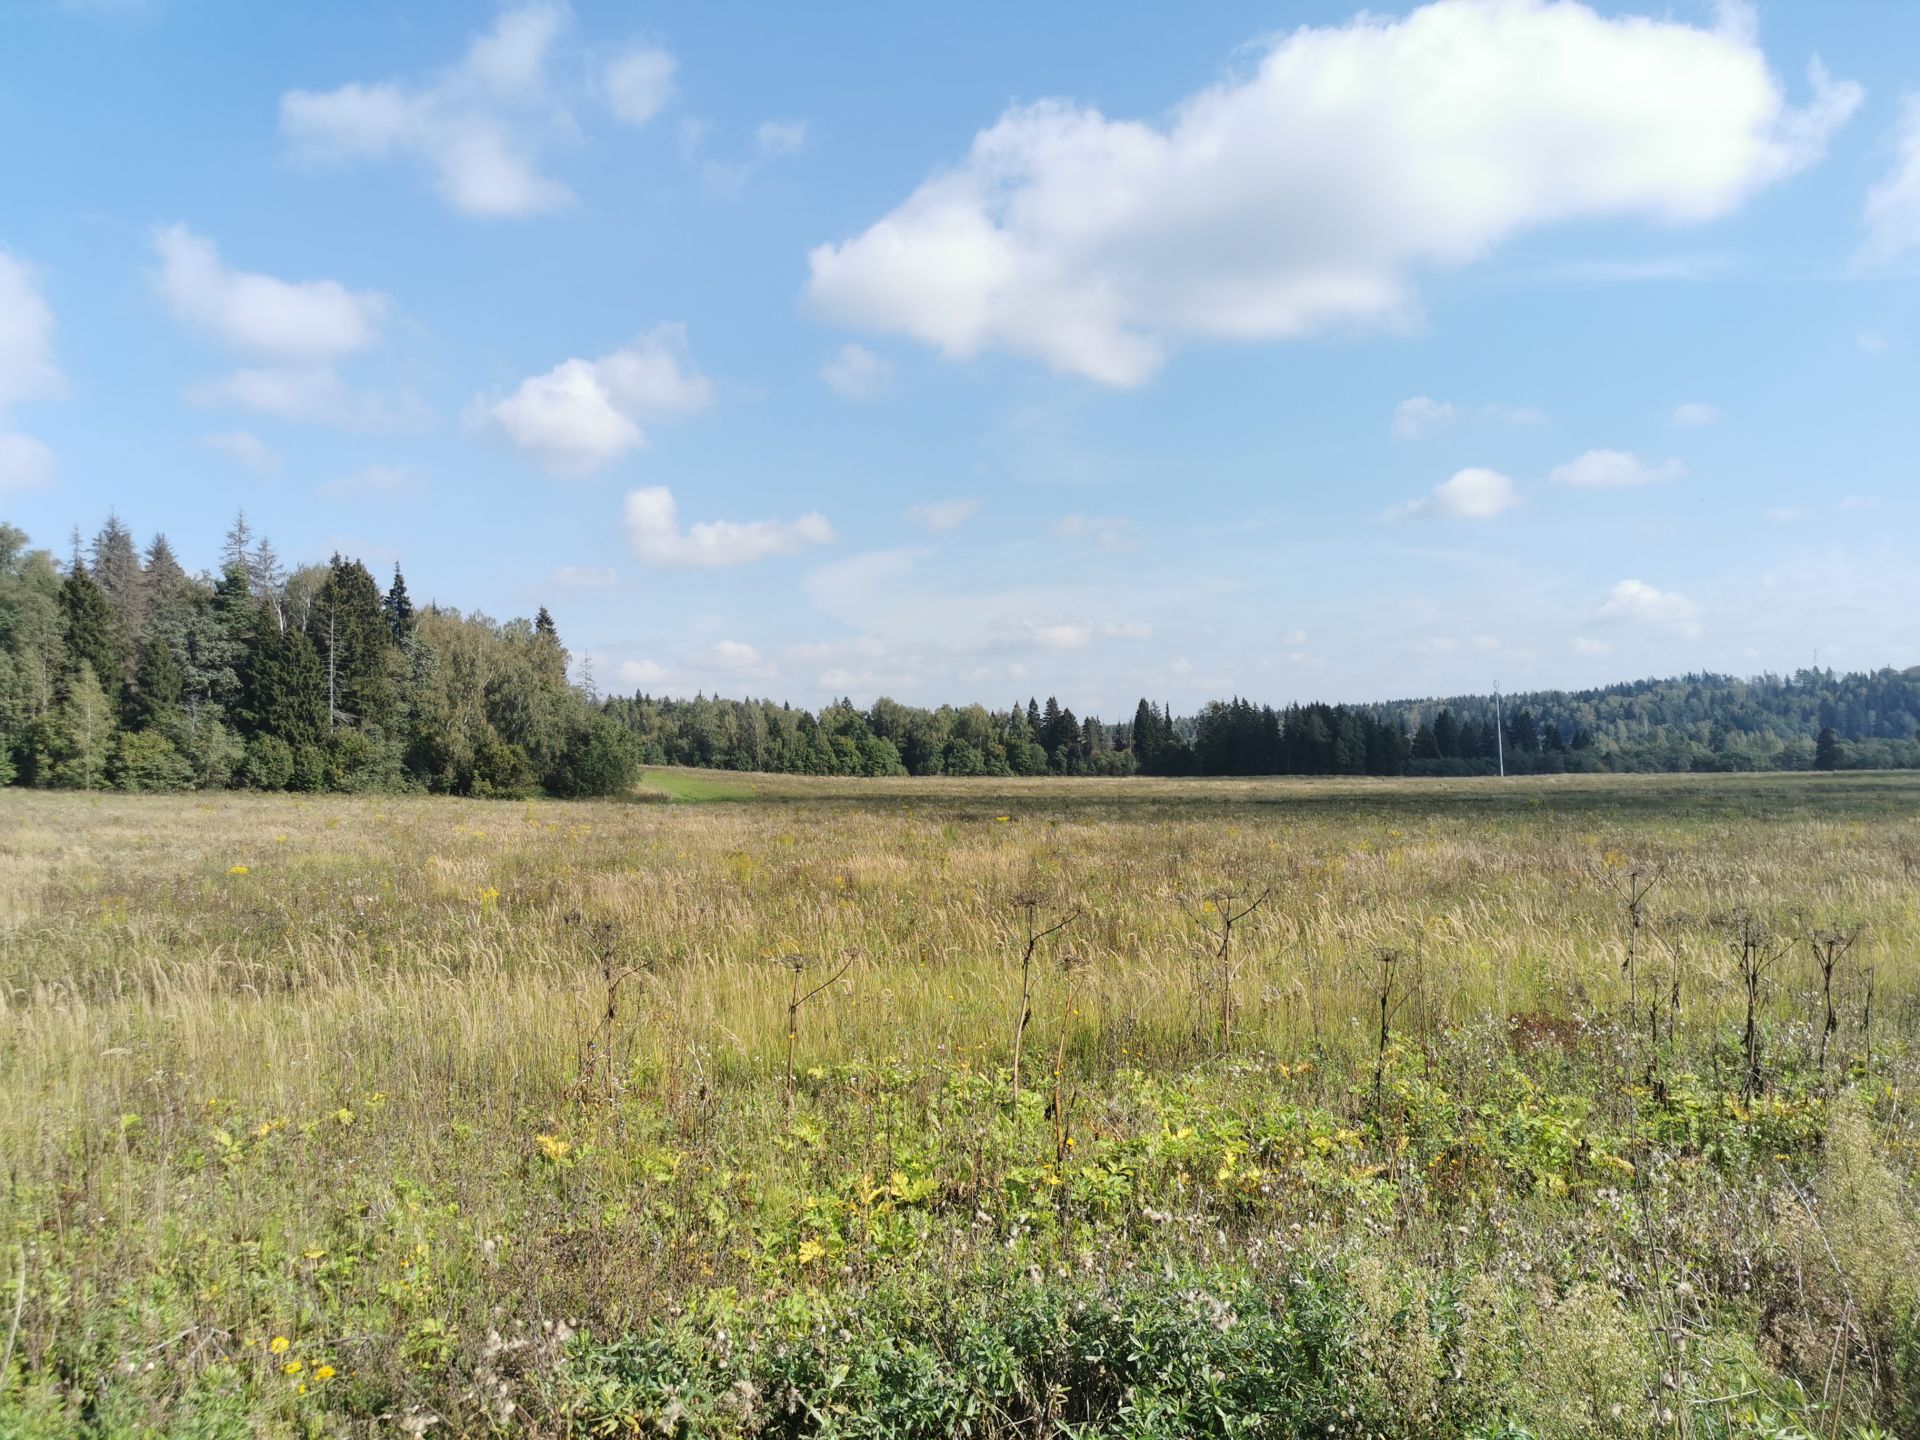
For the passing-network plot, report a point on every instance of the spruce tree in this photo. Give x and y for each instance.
(88, 627)
(116, 570)
(1826, 750)
(398, 609)
(350, 635)
(153, 695)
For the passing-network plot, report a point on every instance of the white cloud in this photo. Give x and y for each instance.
(1109, 532)
(25, 463)
(1635, 600)
(27, 371)
(857, 372)
(1892, 214)
(1308, 191)
(245, 449)
(1472, 494)
(477, 126)
(772, 140)
(942, 514)
(730, 655)
(1585, 646)
(584, 577)
(653, 529)
(1695, 413)
(298, 321)
(307, 392)
(583, 414)
(298, 329)
(1521, 417)
(1860, 502)
(1613, 470)
(1127, 630)
(639, 82)
(1072, 635)
(1293, 637)
(1420, 416)
(1783, 514)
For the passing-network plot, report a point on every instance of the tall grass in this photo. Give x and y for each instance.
(241, 1030)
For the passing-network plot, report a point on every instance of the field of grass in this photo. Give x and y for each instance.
(373, 1115)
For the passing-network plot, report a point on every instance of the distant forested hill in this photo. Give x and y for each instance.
(1814, 719)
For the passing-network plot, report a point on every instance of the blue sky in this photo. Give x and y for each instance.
(964, 353)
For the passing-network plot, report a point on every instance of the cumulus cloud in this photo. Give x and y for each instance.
(642, 672)
(942, 514)
(25, 463)
(1308, 192)
(857, 372)
(1695, 413)
(1637, 601)
(653, 529)
(1421, 416)
(27, 372)
(1892, 214)
(1613, 470)
(1062, 635)
(477, 126)
(245, 449)
(730, 655)
(299, 331)
(288, 320)
(583, 414)
(638, 82)
(1472, 494)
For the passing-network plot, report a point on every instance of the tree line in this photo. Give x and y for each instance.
(119, 669)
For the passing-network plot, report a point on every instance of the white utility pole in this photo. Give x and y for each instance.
(1499, 733)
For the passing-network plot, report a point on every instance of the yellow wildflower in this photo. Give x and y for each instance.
(810, 1251)
(236, 870)
(323, 1372)
(293, 1367)
(279, 1344)
(552, 1148)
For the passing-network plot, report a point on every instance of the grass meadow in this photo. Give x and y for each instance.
(760, 1105)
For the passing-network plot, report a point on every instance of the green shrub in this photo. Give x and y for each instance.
(269, 763)
(147, 760)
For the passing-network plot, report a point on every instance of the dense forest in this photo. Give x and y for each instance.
(118, 669)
